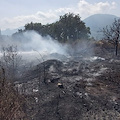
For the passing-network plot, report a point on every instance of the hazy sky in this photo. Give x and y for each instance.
(16, 13)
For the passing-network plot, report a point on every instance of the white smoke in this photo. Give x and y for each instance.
(42, 44)
(32, 45)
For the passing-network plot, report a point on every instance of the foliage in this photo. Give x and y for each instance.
(68, 28)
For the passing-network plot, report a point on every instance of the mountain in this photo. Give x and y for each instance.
(10, 31)
(97, 22)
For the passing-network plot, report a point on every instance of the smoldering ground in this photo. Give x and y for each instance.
(32, 46)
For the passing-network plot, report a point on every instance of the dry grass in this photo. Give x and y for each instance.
(11, 103)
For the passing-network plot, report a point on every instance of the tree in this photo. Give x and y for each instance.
(29, 26)
(34, 26)
(112, 34)
(69, 28)
(10, 60)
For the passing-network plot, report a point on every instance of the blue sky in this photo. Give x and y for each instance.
(16, 13)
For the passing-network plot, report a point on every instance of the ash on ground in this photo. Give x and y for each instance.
(73, 89)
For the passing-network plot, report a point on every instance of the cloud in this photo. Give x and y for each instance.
(83, 8)
(86, 9)
(42, 17)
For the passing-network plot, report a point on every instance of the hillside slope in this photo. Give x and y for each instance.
(97, 22)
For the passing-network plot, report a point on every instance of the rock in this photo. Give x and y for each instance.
(60, 85)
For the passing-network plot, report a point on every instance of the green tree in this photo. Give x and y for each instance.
(69, 28)
(29, 26)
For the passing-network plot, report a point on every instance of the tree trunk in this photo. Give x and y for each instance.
(116, 48)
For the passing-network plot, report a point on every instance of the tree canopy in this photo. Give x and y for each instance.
(69, 28)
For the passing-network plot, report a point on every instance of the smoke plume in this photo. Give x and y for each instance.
(30, 45)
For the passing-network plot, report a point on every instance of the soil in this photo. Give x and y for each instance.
(74, 89)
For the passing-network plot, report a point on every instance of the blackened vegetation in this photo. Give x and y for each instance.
(80, 87)
(12, 104)
(76, 89)
(112, 34)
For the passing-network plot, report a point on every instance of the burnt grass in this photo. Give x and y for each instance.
(76, 89)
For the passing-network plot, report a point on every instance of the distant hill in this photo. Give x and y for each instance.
(97, 22)
(10, 31)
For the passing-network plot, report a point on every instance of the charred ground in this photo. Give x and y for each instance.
(82, 88)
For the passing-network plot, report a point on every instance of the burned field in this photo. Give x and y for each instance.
(74, 89)
(60, 72)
